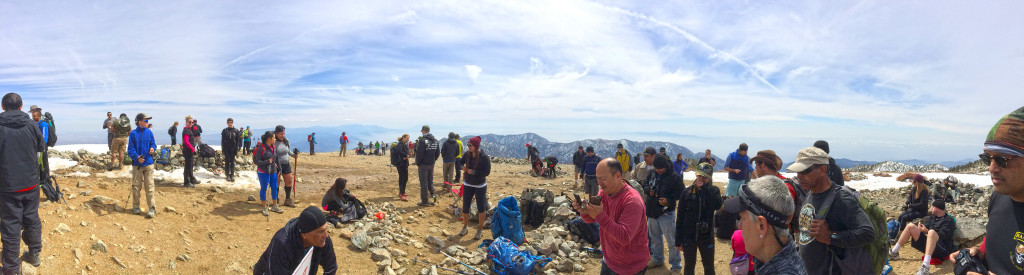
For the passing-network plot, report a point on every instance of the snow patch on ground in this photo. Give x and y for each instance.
(873, 182)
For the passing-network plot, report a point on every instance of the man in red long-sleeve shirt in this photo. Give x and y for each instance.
(621, 219)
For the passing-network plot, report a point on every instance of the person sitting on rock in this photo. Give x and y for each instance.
(933, 237)
(289, 245)
(916, 206)
(947, 190)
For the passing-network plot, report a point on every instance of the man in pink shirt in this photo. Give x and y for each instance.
(621, 219)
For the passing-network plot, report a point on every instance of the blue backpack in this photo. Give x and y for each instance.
(508, 259)
(507, 221)
(165, 154)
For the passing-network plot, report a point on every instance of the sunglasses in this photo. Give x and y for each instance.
(809, 170)
(1000, 160)
(146, 120)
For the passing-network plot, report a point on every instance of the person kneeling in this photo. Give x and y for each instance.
(290, 244)
(933, 237)
(341, 205)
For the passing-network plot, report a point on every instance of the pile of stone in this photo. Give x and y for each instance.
(848, 176)
(970, 211)
(510, 160)
(90, 162)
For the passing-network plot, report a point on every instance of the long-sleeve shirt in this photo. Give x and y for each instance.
(186, 139)
(45, 128)
(623, 230)
(845, 218)
(919, 204)
(140, 142)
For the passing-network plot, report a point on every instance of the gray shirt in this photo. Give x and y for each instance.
(284, 152)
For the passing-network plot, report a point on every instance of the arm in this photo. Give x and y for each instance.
(327, 259)
(680, 217)
(946, 228)
(188, 143)
(485, 167)
(861, 231)
(132, 143)
(46, 132)
(716, 198)
(630, 219)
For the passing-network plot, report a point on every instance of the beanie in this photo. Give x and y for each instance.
(940, 204)
(279, 128)
(821, 144)
(475, 141)
(1007, 136)
(661, 163)
(310, 219)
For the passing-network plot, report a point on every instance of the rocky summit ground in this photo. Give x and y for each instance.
(214, 230)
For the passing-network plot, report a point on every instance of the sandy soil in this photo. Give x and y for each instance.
(209, 232)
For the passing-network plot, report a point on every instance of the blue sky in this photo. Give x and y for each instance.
(878, 79)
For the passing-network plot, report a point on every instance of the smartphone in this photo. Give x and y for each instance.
(578, 200)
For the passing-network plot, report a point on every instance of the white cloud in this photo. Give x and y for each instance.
(473, 71)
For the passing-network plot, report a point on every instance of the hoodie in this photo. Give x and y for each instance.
(20, 144)
(426, 150)
(285, 253)
(450, 149)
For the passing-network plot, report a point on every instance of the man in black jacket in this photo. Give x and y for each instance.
(290, 244)
(427, 153)
(694, 218)
(834, 172)
(230, 138)
(577, 162)
(449, 151)
(933, 237)
(660, 209)
(21, 141)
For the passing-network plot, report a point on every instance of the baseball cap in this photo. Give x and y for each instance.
(704, 169)
(807, 157)
(142, 116)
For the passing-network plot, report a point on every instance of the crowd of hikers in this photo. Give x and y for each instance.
(641, 206)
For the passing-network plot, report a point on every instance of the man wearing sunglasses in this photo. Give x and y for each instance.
(141, 146)
(1004, 153)
(831, 220)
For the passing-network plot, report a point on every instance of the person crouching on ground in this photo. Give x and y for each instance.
(141, 146)
(289, 245)
(765, 207)
(694, 219)
(622, 221)
(478, 166)
(933, 237)
(265, 159)
(916, 206)
(335, 199)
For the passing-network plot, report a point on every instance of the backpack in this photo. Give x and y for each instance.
(309, 138)
(205, 151)
(870, 258)
(533, 210)
(51, 189)
(506, 222)
(639, 189)
(52, 138)
(395, 159)
(726, 225)
(354, 209)
(801, 195)
(122, 127)
(588, 232)
(508, 259)
(165, 154)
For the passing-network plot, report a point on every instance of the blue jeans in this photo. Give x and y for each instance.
(663, 226)
(267, 180)
(733, 188)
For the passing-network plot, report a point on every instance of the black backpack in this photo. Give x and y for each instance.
(726, 225)
(588, 232)
(533, 211)
(52, 138)
(205, 151)
(51, 189)
(395, 159)
(798, 202)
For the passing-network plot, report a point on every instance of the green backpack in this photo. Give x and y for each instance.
(872, 256)
(122, 127)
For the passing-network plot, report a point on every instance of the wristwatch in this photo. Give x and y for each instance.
(834, 236)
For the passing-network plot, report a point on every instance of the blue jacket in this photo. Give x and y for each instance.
(680, 167)
(590, 165)
(140, 141)
(736, 161)
(45, 128)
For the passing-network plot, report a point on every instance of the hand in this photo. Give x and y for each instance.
(576, 205)
(820, 231)
(142, 159)
(663, 201)
(151, 150)
(593, 210)
(952, 256)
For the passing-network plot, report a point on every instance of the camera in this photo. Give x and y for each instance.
(703, 227)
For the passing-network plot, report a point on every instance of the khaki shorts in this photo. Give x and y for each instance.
(119, 145)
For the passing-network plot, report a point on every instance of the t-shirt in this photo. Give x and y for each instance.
(845, 218)
(704, 160)
(1005, 235)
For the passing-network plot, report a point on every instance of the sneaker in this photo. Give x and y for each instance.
(151, 213)
(676, 269)
(136, 211)
(402, 197)
(653, 264)
(464, 231)
(289, 202)
(265, 212)
(423, 204)
(31, 258)
(277, 209)
(194, 182)
(893, 256)
(479, 234)
(923, 270)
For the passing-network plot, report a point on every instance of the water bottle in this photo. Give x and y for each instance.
(886, 269)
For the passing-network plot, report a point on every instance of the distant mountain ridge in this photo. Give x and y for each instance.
(897, 167)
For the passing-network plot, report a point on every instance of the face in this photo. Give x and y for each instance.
(472, 148)
(36, 116)
(707, 153)
(813, 178)
(231, 124)
(144, 123)
(936, 211)
(109, 115)
(611, 184)
(317, 237)
(660, 171)
(700, 181)
(1009, 180)
(743, 153)
(590, 154)
(751, 232)
(649, 159)
(279, 135)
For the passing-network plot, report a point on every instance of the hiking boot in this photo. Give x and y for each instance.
(31, 258)
(923, 270)
(894, 255)
(479, 234)
(265, 212)
(464, 231)
(402, 197)
(136, 211)
(276, 208)
(289, 202)
(194, 181)
(653, 264)
(423, 204)
(151, 213)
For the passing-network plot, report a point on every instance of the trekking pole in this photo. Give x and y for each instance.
(415, 260)
(457, 260)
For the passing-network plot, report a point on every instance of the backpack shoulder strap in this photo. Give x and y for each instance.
(827, 204)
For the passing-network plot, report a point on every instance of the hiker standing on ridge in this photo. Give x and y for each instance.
(289, 245)
(344, 145)
(834, 172)
(197, 131)
(1004, 153)
(695, 219)
(458, 159)
(622, 155)
(578, 163)
(738, 165)
(122, 127)
(767, 163)
(645, 168)
(680, 164)
(590, 183)
(427, 152)
(246, 141)
(845, 225)
(141, 146)
(108, 125)
(284, 155)
(661, 216)
(267, 168)
(622, 221)
(312, 144)
(449, 151)
(401, 154)
(173, 132)
(478, 166)
(188, 150)
(44, 127)
(20, 145)
(229, 140)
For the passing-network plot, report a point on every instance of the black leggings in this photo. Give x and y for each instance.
(707, 257)
(403, 178)
(468, 192)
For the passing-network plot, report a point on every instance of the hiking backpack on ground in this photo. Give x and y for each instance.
(870, 258)
(165, 156)
(205, 151)
(588, 232)
(51, 189)
(726, 225)
(506, 222)
(508, 259)
(51, 140)
(535, 205)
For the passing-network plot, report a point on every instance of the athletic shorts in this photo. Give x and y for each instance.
(590, 186)
(286, 168)
(469, 193)
(119, 145)
(940, 251)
